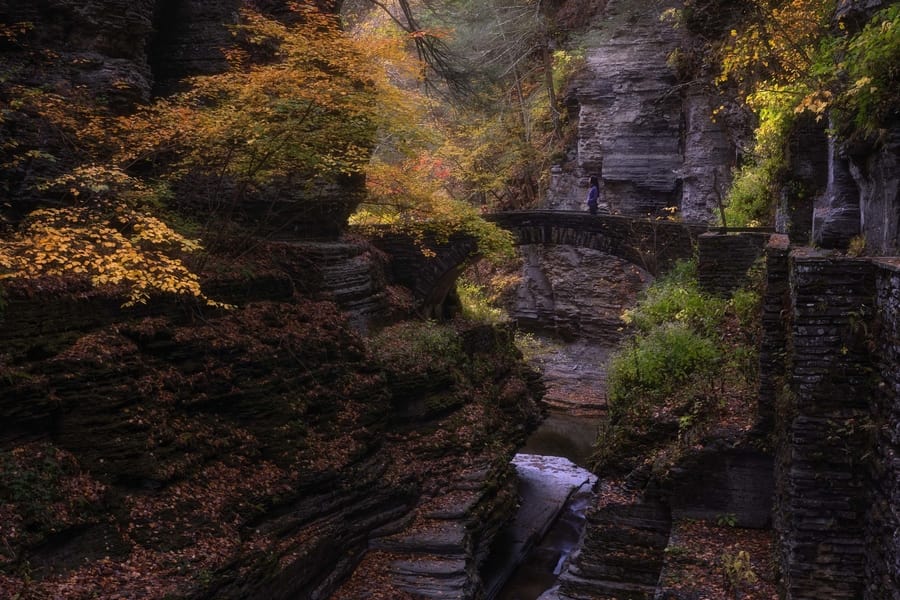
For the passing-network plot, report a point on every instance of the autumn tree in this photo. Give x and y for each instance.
(786, 58)
(71, 211)
(411, 185)
(296, 110)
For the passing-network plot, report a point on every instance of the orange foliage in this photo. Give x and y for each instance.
(298, 106)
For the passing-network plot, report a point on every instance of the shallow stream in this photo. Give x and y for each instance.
(569, 431)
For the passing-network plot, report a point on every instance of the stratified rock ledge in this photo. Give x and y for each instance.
(546, 483)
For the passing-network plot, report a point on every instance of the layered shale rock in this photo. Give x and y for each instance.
(621, 552)
(260, 452)
(575, 292)
(876, 172)
(652, 143)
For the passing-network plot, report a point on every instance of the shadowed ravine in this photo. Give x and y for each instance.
(574, 375)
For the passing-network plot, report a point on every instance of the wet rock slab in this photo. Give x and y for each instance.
(546, 483)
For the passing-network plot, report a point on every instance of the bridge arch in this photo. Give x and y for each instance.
(653, 245)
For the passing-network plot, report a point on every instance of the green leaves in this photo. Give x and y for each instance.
(676, 297)
(873, 69)
(660, 362)
(790, 60)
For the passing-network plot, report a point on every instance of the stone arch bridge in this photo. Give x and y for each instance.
(652, 244)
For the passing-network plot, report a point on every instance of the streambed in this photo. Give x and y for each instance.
(574, 374)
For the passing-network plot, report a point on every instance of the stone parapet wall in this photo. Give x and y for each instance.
(654, 245)
(726, 258)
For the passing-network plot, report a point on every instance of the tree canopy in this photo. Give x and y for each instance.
(787, 58)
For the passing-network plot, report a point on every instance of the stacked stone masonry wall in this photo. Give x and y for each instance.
(651, 244)
(775, 311)
(836, 423)
(725, 259)
(883, 521)
(824, 486)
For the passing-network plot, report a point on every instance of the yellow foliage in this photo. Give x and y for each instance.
(77, 241)
(781, 41)
(409, 197)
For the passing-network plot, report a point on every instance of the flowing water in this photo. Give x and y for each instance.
(564, 434)
(576, 391)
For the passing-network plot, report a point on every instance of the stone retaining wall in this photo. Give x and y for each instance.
(836, 422)
(882, 536)
(775, 313)
(725, 259)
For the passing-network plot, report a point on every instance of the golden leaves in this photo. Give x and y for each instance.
(779, 45)
(79, 242)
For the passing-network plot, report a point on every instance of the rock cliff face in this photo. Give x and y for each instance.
(878, 182)
(254, 453)
(851, 187)
(652, 143)
(575, 292)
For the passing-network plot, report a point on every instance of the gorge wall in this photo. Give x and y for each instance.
(265, 451)
(859, 198)
(112, 56)
(819, 465)
(657, 141)
(652, 143)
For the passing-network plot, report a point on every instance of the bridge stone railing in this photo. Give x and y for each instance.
(725, 258)
(653, 245)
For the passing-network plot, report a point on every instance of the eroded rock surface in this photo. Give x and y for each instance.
(575, 292)
(251, 453)
(652, 144)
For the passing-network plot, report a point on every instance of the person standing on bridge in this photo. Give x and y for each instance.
(593, 197)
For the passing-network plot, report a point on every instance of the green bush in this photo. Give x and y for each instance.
(677, 297)
(476, 305)
(746, 305)
(871, 62)
(659, 362)
(750, 197)
(750, 201)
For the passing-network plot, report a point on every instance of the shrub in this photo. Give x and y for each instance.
(746, 305)
(476, 305)
(677, 297)
(871, 63)
(659, 362)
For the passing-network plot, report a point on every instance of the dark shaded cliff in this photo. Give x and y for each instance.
(250, 453)
(178, 451)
